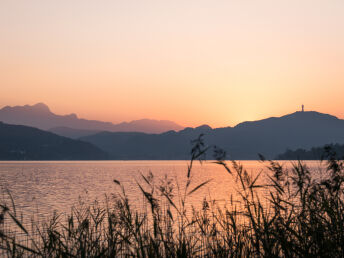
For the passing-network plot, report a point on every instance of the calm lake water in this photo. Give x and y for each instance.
(44, 187)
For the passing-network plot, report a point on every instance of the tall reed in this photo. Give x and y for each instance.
(298, 216)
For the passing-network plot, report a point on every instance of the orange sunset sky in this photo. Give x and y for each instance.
(193, 62)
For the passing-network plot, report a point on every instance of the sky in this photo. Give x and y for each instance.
(193, 62)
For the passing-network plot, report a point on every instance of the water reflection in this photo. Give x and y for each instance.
(43, 187)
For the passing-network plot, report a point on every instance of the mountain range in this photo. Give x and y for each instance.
(268, 137)
(40, 116)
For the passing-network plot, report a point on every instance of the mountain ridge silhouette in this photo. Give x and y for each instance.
(40, 116)
(270, 137)
(20, 142)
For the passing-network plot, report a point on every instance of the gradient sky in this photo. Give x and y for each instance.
(193, 62)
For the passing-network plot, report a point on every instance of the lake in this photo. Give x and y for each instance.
(44, 187)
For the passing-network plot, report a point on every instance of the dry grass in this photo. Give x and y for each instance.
(304, 217)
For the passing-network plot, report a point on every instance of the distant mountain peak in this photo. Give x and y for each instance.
(200, 129)
(310, 114)
(203, 128)
(73, 115)
(297, 116)
(40, 116)
(148, 126)
(40, 107)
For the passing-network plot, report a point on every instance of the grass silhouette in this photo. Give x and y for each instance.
(300, 216)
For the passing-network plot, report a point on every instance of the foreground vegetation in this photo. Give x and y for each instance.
(298, 215)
